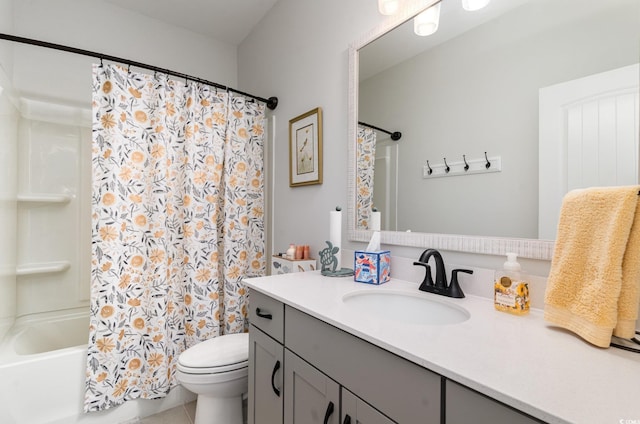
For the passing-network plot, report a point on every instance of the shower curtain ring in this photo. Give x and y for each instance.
(466, 165)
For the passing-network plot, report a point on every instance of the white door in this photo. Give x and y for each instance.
(588, 138)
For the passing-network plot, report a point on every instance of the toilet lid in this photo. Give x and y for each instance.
(230, 351)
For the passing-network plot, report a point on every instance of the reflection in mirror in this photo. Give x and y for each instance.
(377, 149)
(478, 85)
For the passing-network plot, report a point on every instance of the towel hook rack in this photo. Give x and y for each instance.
(488, 164)
(430, 171)
(447, 168)
(466, 165)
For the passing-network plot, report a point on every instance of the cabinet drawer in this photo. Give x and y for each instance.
(400, 389)
(267, 314)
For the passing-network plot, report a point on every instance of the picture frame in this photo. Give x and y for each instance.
(305, 149)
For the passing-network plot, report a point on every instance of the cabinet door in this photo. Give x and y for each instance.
(357, 411)
(464, 406)
(311, 396)
(265, 378)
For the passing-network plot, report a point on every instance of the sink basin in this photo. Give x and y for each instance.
(405, 307)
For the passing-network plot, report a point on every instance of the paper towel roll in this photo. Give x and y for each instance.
(375, 221)
(335, 233)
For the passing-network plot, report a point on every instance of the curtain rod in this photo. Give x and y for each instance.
(271, 102)
(395, 135)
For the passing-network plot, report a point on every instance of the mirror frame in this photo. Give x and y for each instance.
(526, 248)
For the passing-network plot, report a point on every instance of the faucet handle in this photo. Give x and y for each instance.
(428, 279)
(454, 287)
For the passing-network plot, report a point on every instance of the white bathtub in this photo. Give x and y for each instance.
(42, 375)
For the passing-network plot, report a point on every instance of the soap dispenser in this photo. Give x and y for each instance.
(511, 290)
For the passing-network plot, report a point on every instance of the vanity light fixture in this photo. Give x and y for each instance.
(472, 5)
(388, 7)
(426, 23)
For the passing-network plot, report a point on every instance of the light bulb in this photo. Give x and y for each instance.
(388, 7)
(472, 5)
(427, 22)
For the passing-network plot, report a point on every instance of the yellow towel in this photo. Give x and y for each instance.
(593, 284)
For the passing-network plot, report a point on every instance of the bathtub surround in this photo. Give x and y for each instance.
(177, 222)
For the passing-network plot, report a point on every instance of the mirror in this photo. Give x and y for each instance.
(476, 89)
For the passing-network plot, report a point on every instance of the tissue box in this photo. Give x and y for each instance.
(372, 267)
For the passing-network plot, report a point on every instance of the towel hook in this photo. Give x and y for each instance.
(488, 164)
(430, 171)
(466, 165)
(446, 169)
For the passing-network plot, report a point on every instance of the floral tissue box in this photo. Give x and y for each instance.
(372, 267)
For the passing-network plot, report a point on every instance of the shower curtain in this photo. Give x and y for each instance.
(365, 162)
(177, 221)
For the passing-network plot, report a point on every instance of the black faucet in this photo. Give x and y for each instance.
(440, 286)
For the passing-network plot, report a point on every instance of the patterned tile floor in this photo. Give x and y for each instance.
(184, 414)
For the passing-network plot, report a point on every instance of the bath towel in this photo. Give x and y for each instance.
(594, 281)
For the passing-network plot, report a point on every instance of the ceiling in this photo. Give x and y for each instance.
(229, 21)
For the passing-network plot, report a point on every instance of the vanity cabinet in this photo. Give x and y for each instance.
(464, 405)
(356, 411)
(266, 360)
(312, 397)
(399, 389)
(303, 370)
(266, 363)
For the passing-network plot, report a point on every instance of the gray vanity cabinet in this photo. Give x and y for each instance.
(312, 397)
(356, 411)
(266, 360)
(400, 390)
(303, 370)
(464, 406)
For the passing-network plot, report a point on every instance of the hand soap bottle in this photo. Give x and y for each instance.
(511, 290)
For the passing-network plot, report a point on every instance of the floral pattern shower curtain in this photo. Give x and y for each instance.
(177, 221)
(365, 161)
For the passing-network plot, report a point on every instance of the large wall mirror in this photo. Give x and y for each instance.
(550, 87)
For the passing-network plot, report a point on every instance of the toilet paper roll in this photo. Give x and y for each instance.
(335, 233)
(375, 221)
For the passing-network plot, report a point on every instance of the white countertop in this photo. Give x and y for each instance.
(544, 371)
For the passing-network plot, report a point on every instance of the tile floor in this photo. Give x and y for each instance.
(183, 414)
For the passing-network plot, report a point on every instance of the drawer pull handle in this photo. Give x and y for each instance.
(263, 315)
(327, 414)
(273, 379)
(347, 419)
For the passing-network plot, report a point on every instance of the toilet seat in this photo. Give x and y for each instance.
(218, 355)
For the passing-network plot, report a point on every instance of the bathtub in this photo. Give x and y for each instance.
(42, 375)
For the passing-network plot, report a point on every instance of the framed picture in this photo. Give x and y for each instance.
(305, 149)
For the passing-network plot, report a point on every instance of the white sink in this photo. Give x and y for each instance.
(405, 307)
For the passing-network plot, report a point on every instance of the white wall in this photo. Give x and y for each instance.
(299, 53)
(99, 26)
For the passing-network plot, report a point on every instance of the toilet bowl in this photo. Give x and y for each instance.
(217, 371)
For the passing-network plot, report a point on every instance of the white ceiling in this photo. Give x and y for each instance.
(229, 21)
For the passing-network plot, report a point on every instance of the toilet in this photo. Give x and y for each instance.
(217, 371)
